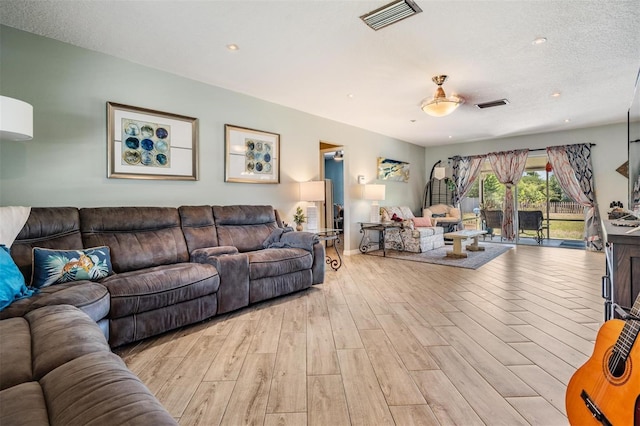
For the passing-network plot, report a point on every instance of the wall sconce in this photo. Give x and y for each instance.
(374, 193)
(16, 119)
(311, 192)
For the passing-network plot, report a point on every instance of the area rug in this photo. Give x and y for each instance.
(572, 244)
(439, 256)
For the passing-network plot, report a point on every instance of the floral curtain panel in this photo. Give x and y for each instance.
(573, 169)
(508, 167)
(465, 173)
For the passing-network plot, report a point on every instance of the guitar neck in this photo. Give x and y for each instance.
(629, 332)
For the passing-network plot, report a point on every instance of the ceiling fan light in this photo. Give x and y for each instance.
(440, 105)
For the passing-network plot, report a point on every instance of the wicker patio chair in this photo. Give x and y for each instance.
(491, 219)
(531, 221)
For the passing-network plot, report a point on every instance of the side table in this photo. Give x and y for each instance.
(382, 228)
(330, 234)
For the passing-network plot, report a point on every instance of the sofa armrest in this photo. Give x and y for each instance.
(454, 212)
(318, 266)
(233, 268)
(202, 254)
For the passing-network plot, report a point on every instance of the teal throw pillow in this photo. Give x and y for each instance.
(61, 266)
(12, 286)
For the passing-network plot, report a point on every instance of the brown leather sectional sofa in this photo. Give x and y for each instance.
(172, 266)
(57, 369)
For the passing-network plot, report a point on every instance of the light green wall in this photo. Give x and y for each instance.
(66, 162)
(608, 154)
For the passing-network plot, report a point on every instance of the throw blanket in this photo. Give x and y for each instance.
(12, 219)
(285, 238)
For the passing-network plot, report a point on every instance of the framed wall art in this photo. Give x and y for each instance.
(393, 170)
(148, 144)
(251, 156)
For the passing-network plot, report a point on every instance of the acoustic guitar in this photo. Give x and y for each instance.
(606, 389)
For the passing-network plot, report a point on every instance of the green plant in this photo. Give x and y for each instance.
(299, 217)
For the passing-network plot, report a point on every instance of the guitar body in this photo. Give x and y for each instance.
(616, 397)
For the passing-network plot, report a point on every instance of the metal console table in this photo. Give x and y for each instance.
(382, 228)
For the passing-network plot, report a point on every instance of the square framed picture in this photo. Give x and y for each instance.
(251, 156)
(147, 144)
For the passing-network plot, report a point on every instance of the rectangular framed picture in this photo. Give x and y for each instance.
(147, 144)
(393, 170)
(251, 156)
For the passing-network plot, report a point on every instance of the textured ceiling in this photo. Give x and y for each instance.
(310, 55)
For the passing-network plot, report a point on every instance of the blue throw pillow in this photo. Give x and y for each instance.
(12, 286)
(62, 266)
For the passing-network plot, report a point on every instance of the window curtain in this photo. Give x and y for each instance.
(508, 167)
(573, 169)
(465, 173)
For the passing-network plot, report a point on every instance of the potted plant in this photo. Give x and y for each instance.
(299, 218)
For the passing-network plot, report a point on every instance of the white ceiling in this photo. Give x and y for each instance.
(310, 55)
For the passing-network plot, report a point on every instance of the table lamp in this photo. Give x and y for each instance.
(374, 193)
(311, 192)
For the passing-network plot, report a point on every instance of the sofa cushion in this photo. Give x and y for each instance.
(47, 227)
(402, 212)
(278, 261)
(61, 266)
(15, 353)
(198, 227)
(244, 227)
(98, 389)
(92, 298)
(23, 404)
(59, 334)
(421, 222)
(139, 237)
(152, 288)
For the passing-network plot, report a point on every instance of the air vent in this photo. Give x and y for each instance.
(390, 14)
(492, 104)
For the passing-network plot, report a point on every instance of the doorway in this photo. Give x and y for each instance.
(332, 172)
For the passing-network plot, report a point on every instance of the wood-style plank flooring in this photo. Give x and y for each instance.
(387, 341)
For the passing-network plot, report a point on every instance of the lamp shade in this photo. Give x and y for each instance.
(440, 107)
(16, 119)
(374, 192)
(312, 190)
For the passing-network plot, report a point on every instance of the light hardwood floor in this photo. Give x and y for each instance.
(387, 341)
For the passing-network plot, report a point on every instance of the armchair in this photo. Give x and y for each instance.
(445, 216)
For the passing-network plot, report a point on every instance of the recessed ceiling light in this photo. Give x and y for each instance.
(233, 47)
(413, 121)
(555, 94)
(539, 40)
(450, 137)
(351, 95)
(566, 120)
